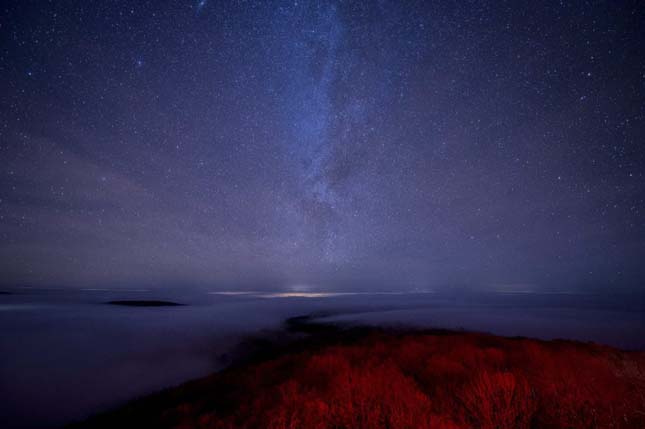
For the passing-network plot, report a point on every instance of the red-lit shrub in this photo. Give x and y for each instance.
(499, 400)
(414, 380)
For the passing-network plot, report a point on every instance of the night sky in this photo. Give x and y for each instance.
(323, 145)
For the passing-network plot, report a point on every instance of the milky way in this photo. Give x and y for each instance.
(323, 145)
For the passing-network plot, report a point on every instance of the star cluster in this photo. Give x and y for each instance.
(338, 144)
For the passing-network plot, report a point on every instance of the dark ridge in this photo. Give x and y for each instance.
(2, 292)
(144, 303)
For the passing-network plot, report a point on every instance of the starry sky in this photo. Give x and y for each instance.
(323, 145)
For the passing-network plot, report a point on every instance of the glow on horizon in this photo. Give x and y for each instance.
(312, 294)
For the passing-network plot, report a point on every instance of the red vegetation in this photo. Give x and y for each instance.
(414, 380)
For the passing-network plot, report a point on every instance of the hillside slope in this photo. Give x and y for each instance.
(371, 378)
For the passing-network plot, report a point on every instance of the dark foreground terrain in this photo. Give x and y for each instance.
(374, 378)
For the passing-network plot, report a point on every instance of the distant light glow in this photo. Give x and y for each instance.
(312, 294)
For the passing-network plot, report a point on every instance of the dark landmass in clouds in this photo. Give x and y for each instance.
(145, 303)
(359, 377)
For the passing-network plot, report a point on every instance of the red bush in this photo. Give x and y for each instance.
(499, 400)
(445, 381)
